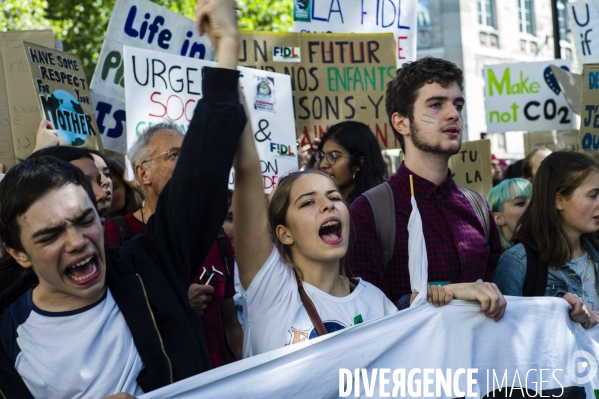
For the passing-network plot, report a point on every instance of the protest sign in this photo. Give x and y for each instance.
(448, 352)
(568, 140)
(62, 90)
(539, 140)
(555, 141)
(359, 16)
(143, 24)
(585, 33)
(334, 77)
(571, 85)
(589, 119)
(167, 88)
(471, 167)
(525, 96)
(17, 140)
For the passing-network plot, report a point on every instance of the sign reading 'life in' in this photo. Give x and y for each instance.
(525, 96)
(141, 24)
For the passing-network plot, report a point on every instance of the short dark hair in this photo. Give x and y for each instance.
(403, 89)
(64, 153)
(514, 170)
(26, 183)
(359, 141)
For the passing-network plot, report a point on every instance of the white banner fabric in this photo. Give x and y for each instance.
(535, 341)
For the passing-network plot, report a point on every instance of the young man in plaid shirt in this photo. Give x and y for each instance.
(424, 104)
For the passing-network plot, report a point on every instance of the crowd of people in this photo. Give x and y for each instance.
(112, 286)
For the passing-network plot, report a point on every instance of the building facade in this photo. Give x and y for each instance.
(475, 33)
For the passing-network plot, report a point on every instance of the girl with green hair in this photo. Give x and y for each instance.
(508, 200)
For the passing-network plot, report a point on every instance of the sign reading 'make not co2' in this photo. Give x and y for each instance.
(525, 96)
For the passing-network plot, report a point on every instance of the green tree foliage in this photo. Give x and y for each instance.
(22, 14)
(81, 24)
(266, 15)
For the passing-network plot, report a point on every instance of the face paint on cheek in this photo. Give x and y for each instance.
(429, 119)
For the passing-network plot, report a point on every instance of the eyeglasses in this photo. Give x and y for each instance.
(171, 155)
(330, 156)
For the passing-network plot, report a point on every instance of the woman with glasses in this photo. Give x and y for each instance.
(350, 154)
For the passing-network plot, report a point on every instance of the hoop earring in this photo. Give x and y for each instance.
(354, 176)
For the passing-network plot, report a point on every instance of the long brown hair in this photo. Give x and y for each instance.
(277, 214)
(541, 225)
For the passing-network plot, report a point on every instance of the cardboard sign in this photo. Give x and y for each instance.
(589, 119)
(142, 24)
(555, 141)
(17, 139)
(568, 140)
(539, 140)
(584, 17)
(334, 77)
(525, 96)
(471, 167)
(167, 88)
(360, 16)
(63, 94)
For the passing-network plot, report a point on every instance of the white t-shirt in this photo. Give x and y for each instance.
(274, 315)
(86, 353)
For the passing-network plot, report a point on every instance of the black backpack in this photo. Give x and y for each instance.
(535, 282)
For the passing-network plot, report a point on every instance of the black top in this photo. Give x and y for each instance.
(150, 275)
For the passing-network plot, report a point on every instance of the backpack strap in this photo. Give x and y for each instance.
(123, 228)
(383, 208)
(480, 207)
(224, 252)
(535, 282)
(309, 306)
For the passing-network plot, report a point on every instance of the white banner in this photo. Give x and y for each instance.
(449, 352)
(526, 96)
(362, 16)
(142, 24)
(408, 354)
(584, 17)
(167, 88)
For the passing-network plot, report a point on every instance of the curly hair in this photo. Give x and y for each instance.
(403, 89)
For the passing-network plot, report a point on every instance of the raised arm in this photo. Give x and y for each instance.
(193, 204)
(253, 244)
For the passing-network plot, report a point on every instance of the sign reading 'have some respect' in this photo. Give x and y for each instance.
(63, 94)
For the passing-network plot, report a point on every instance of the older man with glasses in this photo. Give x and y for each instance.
(154, 156)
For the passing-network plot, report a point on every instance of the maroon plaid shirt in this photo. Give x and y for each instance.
(454, 235)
